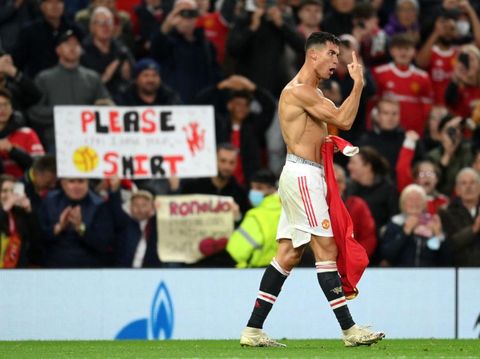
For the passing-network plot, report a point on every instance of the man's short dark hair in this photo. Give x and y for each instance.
(264, 176)
(5, 93)
(364, 11)
(401, 40)
(45, 163)
(321, 38)
(310, 2)
(371, 156)
(247, 95)
(227, 146)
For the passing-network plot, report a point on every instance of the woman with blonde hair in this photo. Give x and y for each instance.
(412, 238)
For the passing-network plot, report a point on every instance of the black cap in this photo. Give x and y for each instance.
(450, 13)
(264, 176)
(310, 2)
(65, 36)
(444, 120)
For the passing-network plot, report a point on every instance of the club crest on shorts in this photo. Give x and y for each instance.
(325, 224)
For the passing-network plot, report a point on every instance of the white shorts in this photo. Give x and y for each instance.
(303, 190)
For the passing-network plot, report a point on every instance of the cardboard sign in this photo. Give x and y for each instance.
(191, 226)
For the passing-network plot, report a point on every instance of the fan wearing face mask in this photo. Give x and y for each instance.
(254, 243)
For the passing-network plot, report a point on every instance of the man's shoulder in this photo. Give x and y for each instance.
(33, 27)
(297, 91)
(420, 73)
(382, 69)
(49, 74)
(88, 73)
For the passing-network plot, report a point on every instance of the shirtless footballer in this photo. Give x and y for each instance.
(304, 114)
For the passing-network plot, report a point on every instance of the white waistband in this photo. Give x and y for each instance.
(294, 158)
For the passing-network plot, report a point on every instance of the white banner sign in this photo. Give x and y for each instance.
(468, 303)
(216, 304)
(135, 142)
(191, 227)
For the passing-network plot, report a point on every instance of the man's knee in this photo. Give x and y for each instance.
(288, 258)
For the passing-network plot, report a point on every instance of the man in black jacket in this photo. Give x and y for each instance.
(148, 88)
(77, 227)
(236, 123)
(258, 41)
(24, 91)
(461, 220)
(223, 184)
(186, 56)
(37, 42)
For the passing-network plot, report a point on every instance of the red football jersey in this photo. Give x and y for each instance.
(352, 258)
(216, 31)
(412, 88)
(25, 139)
(468, 97)
(440, 70)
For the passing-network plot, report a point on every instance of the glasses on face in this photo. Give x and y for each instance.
(426, 174)
(103, 22)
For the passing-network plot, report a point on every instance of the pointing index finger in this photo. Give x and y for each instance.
(354, 58)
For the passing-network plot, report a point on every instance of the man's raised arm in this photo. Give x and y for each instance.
(322, 109)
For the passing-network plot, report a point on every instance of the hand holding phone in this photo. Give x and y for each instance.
(19, 189)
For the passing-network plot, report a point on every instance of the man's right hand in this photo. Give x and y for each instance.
(256, 20)
(7, 67)
(410, 223)
(237, 82)
(476, 225)
(110, 71)
(63, 221)
(174, 18)
(355, 69)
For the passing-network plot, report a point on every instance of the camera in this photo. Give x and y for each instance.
(361, 24)
(271, 3)
(189, 13)
(122, 56)
(452, 133)
(464, 59)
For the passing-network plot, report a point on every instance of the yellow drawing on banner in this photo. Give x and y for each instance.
(85, 159)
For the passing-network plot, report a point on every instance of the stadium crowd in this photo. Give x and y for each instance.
(413, 190)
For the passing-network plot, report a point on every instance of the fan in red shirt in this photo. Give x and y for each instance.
(405, 82)
(216, 24)
(18, 144)
(437, 55)
(463, 91)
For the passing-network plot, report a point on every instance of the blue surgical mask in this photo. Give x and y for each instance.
(255, 197)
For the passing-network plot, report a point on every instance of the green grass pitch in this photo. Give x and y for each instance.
(297, 349)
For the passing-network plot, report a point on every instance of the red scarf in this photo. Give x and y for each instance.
(12, 251)
(352, 258)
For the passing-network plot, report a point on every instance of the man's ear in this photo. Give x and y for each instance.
(312, 54)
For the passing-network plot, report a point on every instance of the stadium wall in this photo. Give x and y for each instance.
(215, 304)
